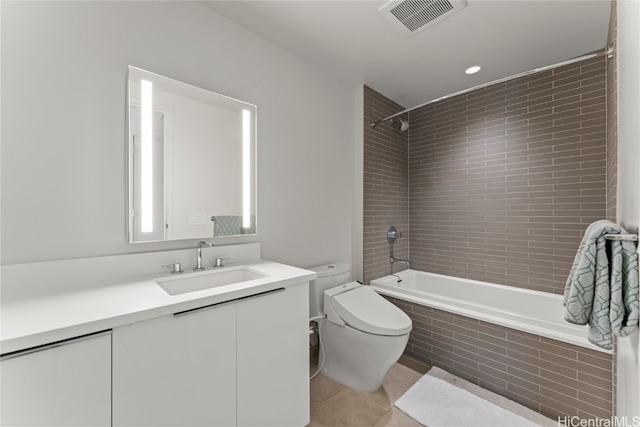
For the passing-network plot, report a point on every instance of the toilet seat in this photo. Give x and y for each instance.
(364, 309)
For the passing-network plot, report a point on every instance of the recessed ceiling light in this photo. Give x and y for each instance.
(473, 70)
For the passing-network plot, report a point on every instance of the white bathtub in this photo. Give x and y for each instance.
(538, 313)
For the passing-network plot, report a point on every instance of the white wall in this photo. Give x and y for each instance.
(628, 205)
(64, 70)
(357, 264)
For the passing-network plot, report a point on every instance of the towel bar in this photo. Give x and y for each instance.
(625, 237)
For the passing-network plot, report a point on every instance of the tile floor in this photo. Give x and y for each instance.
(335, 405)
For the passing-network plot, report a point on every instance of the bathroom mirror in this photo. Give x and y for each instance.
(191, 161)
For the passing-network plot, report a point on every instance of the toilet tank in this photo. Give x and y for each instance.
(329, 276)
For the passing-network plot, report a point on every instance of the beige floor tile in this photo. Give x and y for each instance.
(355, 410)
(322, 412)
(334, 405)
(396, 418)
(379, 398)
(322, 388)
(398, 380)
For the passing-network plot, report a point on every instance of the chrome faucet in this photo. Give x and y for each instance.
(393, 260)
(199, 254)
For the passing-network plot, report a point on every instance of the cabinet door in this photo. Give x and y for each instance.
(273, 359)
(176, 370)
(66, 384)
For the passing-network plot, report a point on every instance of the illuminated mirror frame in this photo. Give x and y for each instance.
(145, 98)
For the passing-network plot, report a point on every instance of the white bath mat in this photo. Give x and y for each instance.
(442, 399)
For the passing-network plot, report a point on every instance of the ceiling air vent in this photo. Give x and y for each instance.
(414, 16)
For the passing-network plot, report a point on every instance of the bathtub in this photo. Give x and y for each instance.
(534, 312)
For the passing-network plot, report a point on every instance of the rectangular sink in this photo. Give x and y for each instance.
(191, 282)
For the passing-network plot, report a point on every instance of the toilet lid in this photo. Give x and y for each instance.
(363, 309)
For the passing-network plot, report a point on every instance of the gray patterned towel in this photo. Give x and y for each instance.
(602, 288)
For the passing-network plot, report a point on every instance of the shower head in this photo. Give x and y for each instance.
(403, 125)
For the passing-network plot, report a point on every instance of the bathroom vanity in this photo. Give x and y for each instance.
(118, 340)
(124, 351)
(232, 363)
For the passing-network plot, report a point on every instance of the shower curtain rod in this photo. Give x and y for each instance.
(608, 52)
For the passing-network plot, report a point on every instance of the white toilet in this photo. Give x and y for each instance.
(363, 334)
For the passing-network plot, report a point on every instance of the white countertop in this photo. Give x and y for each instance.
(35, 321)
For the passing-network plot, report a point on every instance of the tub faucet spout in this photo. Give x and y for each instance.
(393, 260)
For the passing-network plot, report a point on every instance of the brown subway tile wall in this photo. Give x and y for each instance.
(386, 186)
(504, 180)
(548, 376)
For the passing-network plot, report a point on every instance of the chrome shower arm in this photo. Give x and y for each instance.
(375, 123)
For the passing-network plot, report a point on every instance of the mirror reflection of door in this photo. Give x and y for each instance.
(149, 222)
(205, 144)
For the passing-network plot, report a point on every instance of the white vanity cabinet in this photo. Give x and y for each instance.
(273, 358)
(62, 384)
(177, 370)
(242, 362)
